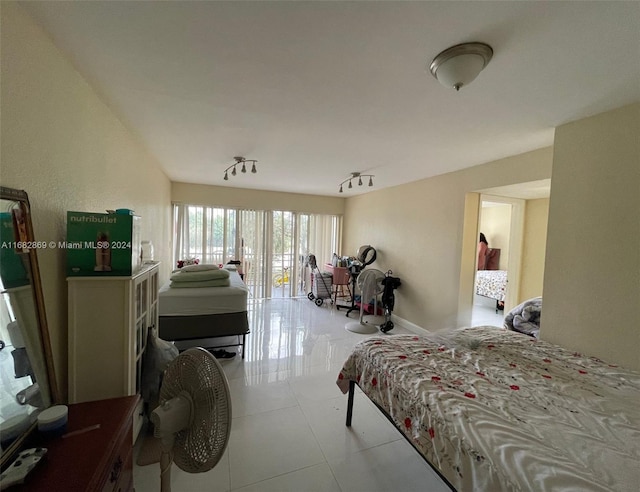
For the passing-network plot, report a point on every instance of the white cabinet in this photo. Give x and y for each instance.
(109, 318)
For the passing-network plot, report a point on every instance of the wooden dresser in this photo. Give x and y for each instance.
(94, 459)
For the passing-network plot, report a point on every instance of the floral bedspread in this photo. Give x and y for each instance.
(491, 283)
(497, 410)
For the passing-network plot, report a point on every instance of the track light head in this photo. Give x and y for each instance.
(243, 169)
(354, 175)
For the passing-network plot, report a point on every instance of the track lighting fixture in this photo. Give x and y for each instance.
(354, 176)
(243, 169)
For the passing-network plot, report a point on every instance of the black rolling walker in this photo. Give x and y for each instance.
(390, 284)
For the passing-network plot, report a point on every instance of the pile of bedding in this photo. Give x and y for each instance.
(525, 317)
(199, 276)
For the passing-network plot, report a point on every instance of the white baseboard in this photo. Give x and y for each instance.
(418, 330)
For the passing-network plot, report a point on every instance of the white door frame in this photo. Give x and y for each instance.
(471, 228)
(515, 245)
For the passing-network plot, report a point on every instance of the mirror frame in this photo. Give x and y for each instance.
(21, 197)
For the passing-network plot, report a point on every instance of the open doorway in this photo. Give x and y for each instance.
(494, 224)
(523, 259)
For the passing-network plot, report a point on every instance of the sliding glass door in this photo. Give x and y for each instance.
(283, 254)
(270, 247)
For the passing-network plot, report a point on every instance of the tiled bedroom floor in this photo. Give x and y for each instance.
(484, 312)
(288, 431)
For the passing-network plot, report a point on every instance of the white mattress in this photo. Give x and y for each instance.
(205, 300)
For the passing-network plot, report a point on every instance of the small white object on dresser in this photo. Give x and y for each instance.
(109, 318)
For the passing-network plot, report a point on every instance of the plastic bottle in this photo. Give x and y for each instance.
(147, 251)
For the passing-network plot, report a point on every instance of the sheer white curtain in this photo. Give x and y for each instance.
(325, 237)
(217, 235)
(255, 237)
(319, 235)
(206, 233)
(182, 238)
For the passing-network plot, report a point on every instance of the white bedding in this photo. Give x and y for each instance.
(206, 300)
(496, 410)
(491, 283)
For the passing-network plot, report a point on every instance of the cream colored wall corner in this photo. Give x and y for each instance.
(468, 258)
(220, 196)
(592, 269)
(534, 248)
(417, 230)
(65, 147)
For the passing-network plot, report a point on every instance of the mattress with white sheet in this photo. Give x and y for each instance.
(204, 300)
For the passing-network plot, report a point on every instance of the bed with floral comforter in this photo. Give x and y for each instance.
(495, 410)
(492, 284)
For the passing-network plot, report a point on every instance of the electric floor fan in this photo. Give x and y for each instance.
(370, 285)
(193, 419)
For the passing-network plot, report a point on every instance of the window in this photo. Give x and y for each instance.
(272, 246)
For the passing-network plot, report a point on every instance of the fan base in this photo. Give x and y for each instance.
(368, 325)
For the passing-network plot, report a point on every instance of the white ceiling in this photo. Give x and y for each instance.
(317, 90)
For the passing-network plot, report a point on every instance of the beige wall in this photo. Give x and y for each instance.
(592, 269)
(64, 146)
(417, 230)
(218, 196)
(534, 248)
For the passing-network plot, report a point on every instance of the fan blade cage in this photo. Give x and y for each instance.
(199, 447)
(370, 282)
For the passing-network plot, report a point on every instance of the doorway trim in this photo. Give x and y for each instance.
(516, 234)
(470, 232)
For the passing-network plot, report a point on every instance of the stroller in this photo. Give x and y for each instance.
(389, 284)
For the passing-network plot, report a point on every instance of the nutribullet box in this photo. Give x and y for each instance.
(102, 244)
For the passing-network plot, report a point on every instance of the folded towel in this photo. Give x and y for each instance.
(199, 268)
(199, 276)
(221, 282)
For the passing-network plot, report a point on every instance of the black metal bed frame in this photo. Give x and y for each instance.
(352, 388)
(196, 327)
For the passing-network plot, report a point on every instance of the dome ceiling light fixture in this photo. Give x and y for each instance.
(459, 65)
(359, 176)
(240, 160)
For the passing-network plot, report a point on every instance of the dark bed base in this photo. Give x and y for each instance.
(352, 390)
(182, 328)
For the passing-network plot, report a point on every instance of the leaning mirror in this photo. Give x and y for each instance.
(26, 368)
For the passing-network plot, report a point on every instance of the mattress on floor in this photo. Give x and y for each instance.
(205, 300)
